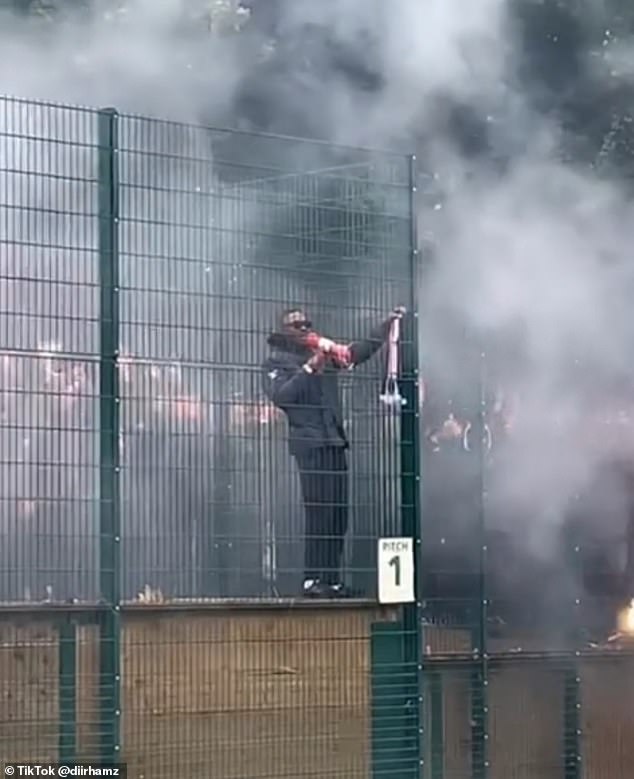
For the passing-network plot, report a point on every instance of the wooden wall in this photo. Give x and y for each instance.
(222, 695)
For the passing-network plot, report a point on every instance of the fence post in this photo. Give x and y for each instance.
(480, 670)
(67, 692)
(572, 670)
(436, 724)
(572, 721)
(411, 490)
(389, 702)
(109, 500)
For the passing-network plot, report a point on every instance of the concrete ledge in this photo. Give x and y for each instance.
(55, 609)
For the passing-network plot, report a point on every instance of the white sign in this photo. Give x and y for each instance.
(395, 568)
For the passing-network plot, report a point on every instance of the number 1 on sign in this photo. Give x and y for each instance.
(395, 563)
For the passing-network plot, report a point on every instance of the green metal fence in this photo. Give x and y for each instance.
(152, 524)
(152, 527)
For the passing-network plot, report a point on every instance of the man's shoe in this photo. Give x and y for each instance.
(340, 590)
(313, 588)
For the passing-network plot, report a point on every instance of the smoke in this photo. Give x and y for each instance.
(529, 252)
(532, 261)
(141, 57)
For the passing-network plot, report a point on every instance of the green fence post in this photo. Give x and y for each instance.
(109, 502)
(437, 724)
(411, 487)
(389, 702)
(67, 660)
(480, 671)
(572, 679)
(572, 725)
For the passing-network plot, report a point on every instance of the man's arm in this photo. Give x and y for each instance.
(362, 351)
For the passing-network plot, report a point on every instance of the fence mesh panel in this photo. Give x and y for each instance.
(49, 341)
(152, 522)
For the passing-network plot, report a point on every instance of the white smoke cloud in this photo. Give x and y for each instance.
(139, 56)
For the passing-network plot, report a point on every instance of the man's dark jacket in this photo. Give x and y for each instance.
(311, 402)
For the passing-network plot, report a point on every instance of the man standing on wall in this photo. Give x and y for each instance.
(301, 379)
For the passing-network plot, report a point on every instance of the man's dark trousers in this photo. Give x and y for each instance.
(323, 473)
